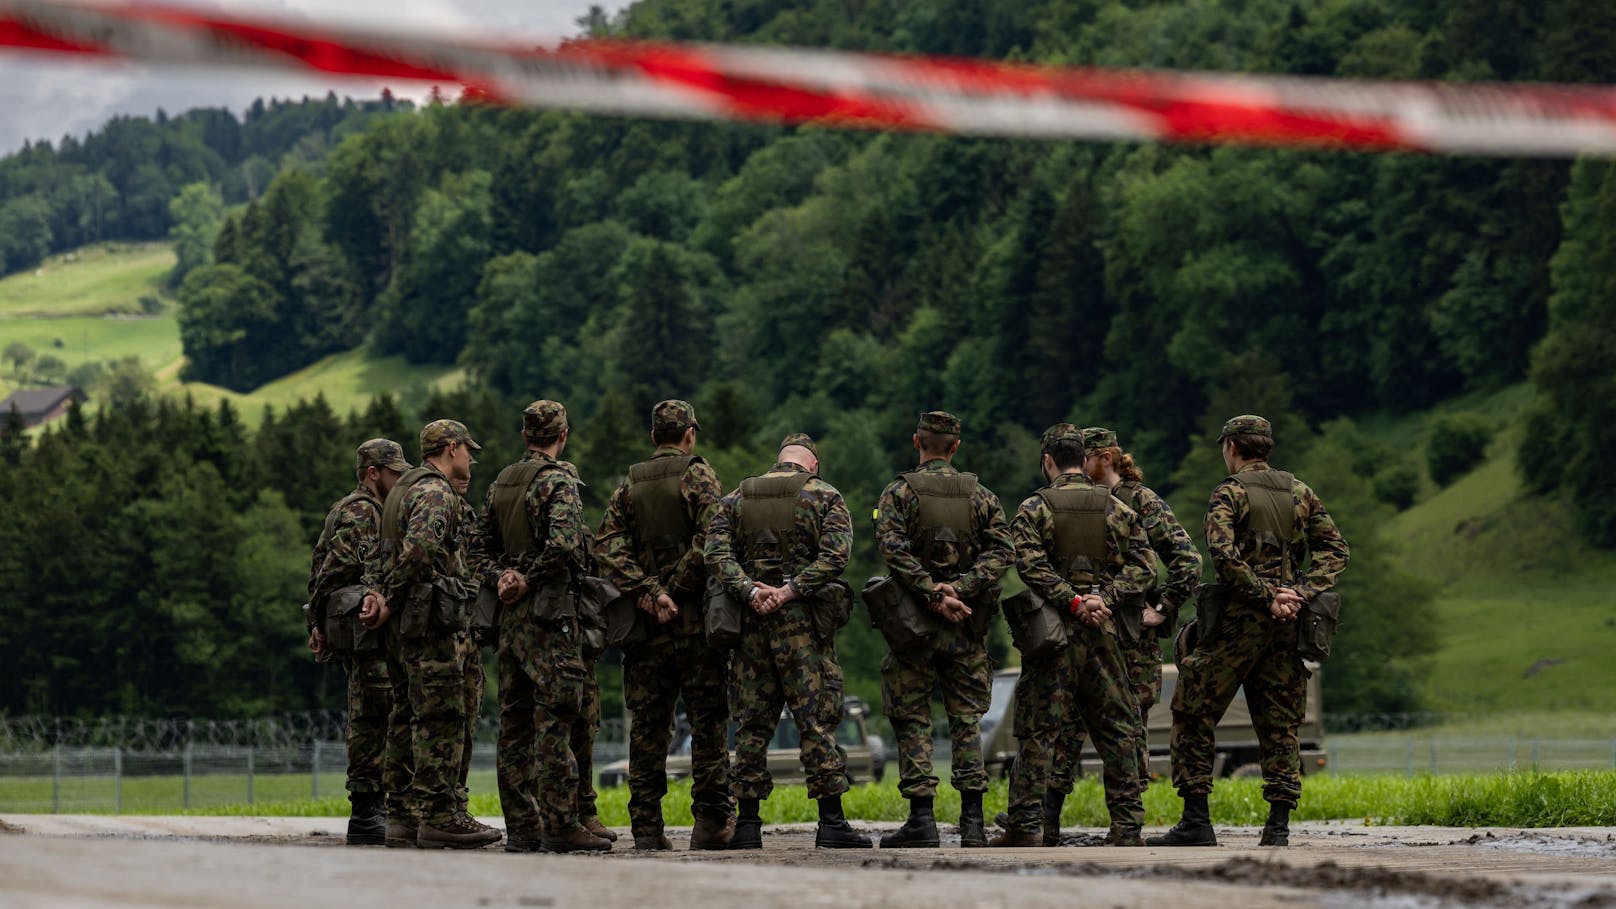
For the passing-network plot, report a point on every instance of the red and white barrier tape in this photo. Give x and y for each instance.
(858, 90)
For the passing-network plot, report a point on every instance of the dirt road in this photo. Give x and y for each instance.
(84, 861)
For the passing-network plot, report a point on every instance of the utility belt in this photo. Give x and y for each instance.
(827, 611)
(345, 635)
(440, 607)
(1316, 623)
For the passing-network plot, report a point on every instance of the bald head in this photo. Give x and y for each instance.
(800, 456)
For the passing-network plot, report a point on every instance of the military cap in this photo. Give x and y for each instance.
(383, 453)
(1248, 424)
(801, 440)
(939, 421)
(439, 433)
(1096, 438)
(1062, 432)
(674, 414)
(544, 420)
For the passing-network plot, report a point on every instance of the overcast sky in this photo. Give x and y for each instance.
(44, 98)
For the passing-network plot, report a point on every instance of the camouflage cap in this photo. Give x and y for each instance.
(801, 440)
(1096, 438)
(673, 414)
(438, 433)
(1062, 432)
(939, 421)
(1248, 424)
(544, 420)
(383, 453)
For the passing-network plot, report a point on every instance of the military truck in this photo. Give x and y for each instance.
(866, 753)
(1237, 753)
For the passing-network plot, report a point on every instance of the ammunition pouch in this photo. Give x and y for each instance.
(556, 601)
(723, 616)
(1189, 637)
(627, 626)
(983, 608)
(1211, 605)
(830, 609)
(441, 607)
(345, 635)
(596, 595)
(905, 622)
(1130, 618)
(1315, 626)
(1037, 628)
(485, 613)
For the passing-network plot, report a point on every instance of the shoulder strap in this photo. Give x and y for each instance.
(1128, 493)
(341, 505)
(509, 503)
(393, 509)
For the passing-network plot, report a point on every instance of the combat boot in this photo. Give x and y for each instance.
(466, 818)
(652, 842)
(973, 832)
(401, 831)
(1017, 836)
(367, 823)
(524, 840)
(1193, 829)
(712, 832)
(458, 832)
(1277, 832)
(1127, 835)
(575, 840)
(748, 827)
(1054, 803)
(593, 825)
(834, 831)
(919, 831)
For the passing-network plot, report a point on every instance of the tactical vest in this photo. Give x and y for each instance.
(510, 503)
(393, 510)
(946, 539)
(663, 528)
(1081, 533)
(324, 542)
(1271, 518)
(767, 524)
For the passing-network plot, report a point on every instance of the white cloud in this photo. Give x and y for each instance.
(46, 97)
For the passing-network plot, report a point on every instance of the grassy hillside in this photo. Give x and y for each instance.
(86, 306)
(1527, 609)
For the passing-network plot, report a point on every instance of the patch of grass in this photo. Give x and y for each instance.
(348, 380)
(156, 340)
(94, 280)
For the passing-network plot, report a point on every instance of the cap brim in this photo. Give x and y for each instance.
(472, 444)
(399, 464)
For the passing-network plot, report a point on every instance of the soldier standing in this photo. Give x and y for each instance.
(1106, 464)
(347, 556)
(1261, 525)
(777, 544)
(944, 538)
(424, 543)
(533, 522)
(650, 544)
(478, 569)
(1079, 547)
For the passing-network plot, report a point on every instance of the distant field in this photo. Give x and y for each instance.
(156, 340)
(105, 278)
(348, 381)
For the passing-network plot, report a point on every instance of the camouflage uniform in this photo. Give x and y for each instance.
(676, 661)
(957, 662)
(541, 667)
(1248, 647)
(479, 570)
(427, 558)
(1172, 544)
(1089, 677)
(347, 553)
(782, 662)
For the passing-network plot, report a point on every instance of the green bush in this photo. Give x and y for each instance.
(1458, 442)
(1398, 485)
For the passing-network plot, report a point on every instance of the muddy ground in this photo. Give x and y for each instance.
(295, 862)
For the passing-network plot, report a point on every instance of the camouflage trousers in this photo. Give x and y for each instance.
(370, 700)
(1088, 681)
(957, 663)
(783, 664)
(471, 669)
(426, 728)
(584, 730)
(1248, 648)
(1145, 675)
(541, 696)
(655, 677)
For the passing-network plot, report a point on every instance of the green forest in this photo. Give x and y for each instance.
(787, 279)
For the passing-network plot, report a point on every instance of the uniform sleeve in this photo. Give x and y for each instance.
(1032, 525)
(894, 516)
(350, 557)
(553, 502)
(431, 512)
(1138, 569)
(998, 551)
(835, 543)
(1222, 513)
(1327, 549)
(614, 549)
(701, 491)
(1170, 541)
(719, 549)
